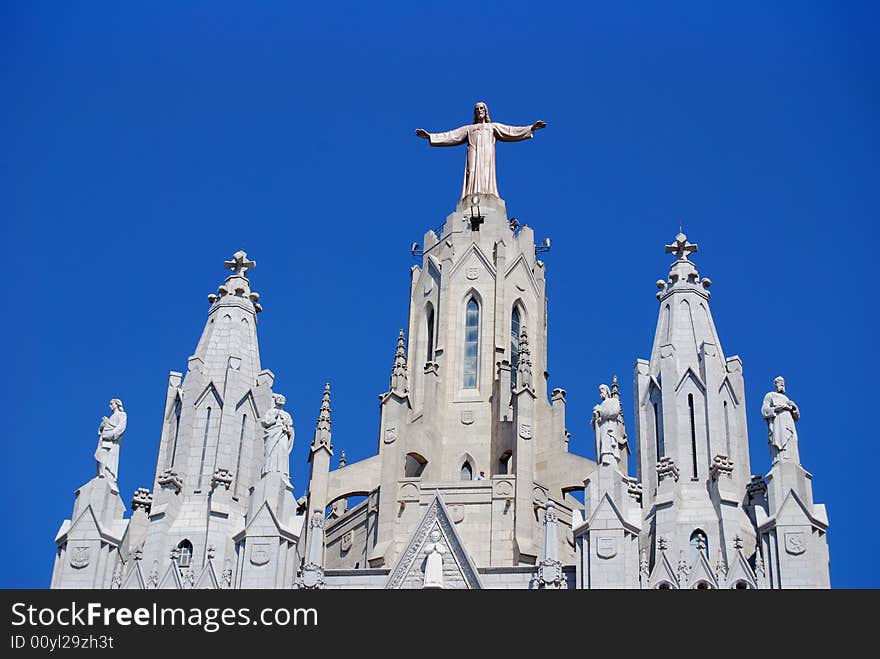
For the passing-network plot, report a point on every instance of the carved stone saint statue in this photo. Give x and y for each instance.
(277, 438)
(479, 173)
(605, 424)
(434, 563)
(109, 437)
(780, 412)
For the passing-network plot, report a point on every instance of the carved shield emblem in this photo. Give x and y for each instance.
(473, 273)
(795, 543)
(390, 435)
(346, 541)
(260, 553)
(457, 512)
(80, 556)
(606, 547)
(525, 431)
(409, 492)
(467, 417)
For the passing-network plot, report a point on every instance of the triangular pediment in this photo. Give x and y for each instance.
(207, 579)
(434, 556)
(702, 573)
(793, 512)
(605, 511)
(171, 579)
(473, 255)
(691, 374)
(740, 570)
(726, 384)
(248, 403)
(663, 574)
(135, 578)
(207, 393)
(520, 263)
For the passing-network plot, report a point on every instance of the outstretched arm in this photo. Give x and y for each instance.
(506, 133)
(449, 138)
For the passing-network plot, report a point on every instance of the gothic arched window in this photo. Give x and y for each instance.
(467, 472)
(471, 344)
(514, 345)
(699, 542)
(184, 556)
(429, 320)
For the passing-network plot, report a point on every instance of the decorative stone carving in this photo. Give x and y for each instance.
(110, 432)
(142, 500)
(721, 466)
(467, 417)
(172, 479)
(261, 553)
(667, 468)
(525, 431)
(434, 550)
(780, 413)
(473, 273)
(80, 556)
(539, 496)
(409, 492)
(456, 512)
(222, 477)
(756, 487)
(606, 548)
(312, 577)
(345, 543)
(480, 136)
(278, 438)
(226, 576)
(634, 489)
(605, 424)
(503, 489)
(391, 435)
(794, 543)
(153, 578)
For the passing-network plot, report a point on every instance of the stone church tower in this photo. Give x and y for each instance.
(472, 483)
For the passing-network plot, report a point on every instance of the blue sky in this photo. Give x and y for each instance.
(143, 143)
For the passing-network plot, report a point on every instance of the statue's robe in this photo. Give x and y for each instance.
(781, 426)
(109, 436)
(605, 423)
(479, 172)
(277, 443)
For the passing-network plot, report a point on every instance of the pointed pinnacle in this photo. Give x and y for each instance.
(324, 415)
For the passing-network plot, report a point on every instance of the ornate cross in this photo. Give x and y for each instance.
(681, 247)
(240, 263)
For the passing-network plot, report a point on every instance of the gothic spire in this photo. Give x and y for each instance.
(399, 371)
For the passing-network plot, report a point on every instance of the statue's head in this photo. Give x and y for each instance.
(604, 391)
(779, 383)
(116, 404)
(280, 400)
(435, 536)
(481, 113)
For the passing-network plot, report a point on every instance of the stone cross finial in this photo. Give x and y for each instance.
(211, 551)
(701, 543)
(342, 461)
(737, 543)
(643, 564)
(615, 388)
(662, 544)
(240, 263)
(681, 247)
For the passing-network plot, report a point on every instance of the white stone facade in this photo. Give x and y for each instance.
(471, 486)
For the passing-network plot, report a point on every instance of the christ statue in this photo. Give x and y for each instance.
(479, 173)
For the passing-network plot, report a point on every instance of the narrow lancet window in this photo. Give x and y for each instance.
(658, 433)
(185, 552)
(727, 427)
(204, 448)
(514, 345)
(693, 434)
(429, 319)
(467, 472)
(471, 344)
(240, 445)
